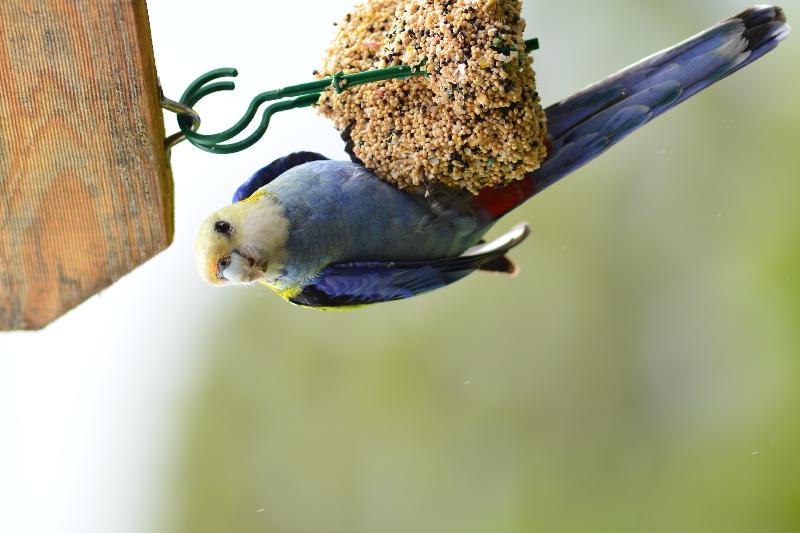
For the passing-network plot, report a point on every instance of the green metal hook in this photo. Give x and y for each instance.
(302, 95)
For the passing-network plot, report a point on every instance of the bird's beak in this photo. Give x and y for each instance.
(239, 268)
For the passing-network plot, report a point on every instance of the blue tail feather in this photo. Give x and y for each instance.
(588, 123)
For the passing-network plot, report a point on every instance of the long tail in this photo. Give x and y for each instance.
(590, 122)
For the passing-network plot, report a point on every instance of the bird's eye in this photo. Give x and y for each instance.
(222, 227)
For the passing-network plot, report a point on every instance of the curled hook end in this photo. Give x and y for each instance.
(205, 90)
(336, 82)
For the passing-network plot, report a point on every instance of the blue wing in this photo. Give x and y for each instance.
(362, 283)
(272, 171)
(355, 284)
(588, 123)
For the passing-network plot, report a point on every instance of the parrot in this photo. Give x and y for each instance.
(328, 234)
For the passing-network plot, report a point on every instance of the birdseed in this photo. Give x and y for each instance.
(476, 121)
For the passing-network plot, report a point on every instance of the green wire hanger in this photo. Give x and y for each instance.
(292, 97)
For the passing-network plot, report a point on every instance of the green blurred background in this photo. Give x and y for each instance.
(642, 373)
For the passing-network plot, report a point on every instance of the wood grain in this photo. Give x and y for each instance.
(85, 190)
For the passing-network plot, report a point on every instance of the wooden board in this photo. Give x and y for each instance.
(85, 190)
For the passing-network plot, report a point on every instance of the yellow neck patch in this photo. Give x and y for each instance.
(288, 294)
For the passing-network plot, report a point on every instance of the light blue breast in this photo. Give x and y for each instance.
(340, 212)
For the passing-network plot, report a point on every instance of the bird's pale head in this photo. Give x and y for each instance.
(243, 242)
